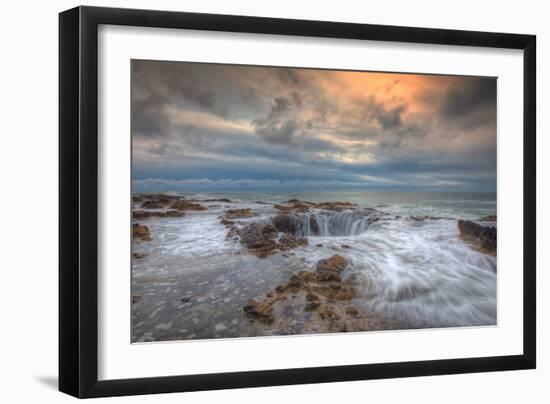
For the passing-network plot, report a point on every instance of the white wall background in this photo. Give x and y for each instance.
(28, 203)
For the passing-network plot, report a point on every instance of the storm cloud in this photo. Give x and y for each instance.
(212, 125)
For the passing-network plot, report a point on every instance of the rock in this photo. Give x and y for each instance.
(345, 246)
(492, 218)
(328, 312)
(169, 213)
(261, 240)
(226, 222)
(261, 312)
(337, 206)
(185, 299)
(280, 289)
(139, 255)
(253, 236)
(289, 241)
(298, 206)
(294, 284)
(336, 290)
(322, 293)
(238, 213)
(328, 276)
(232, 234)
(482, 238)
(152, 205)
(217, 200)
(259, 243)
(310, 297)
(423, 218)
(285, 223)
(136, 298)
(335, 263)
(312, 306)
(295, 206)
(142, 214)
(306, 276)
(269, 231)
(352, 311)
(140, 232)
(183, 204)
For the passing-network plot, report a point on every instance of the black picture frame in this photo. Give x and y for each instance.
(78, 200)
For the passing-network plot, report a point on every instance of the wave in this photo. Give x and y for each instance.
(325, 224)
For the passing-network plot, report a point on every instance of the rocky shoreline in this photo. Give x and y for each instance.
(324, 294)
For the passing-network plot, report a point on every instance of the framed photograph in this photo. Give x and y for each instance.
(251, 201)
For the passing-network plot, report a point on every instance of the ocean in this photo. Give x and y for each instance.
(412, 270)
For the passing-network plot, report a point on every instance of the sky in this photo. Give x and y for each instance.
(215, 127)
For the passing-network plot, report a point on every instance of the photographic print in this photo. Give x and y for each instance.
(274, 201)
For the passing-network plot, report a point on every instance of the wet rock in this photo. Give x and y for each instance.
(253, 235)
(352, 311)
(288, 241)
(345, 246)
(232, 234)
(185, 299)
(285, 223)
(298, 206)
(335, 290)
(310, 297)
(183, 204)
(262, 312)
(322, 293)
(491, 218)
(152, 205)
(295, 206)
(294, 284)
(328, 276)
(171, 213)
(259, 243)
(136, 298)
(227, 222)
(328, 312)
(312, 306)
(280, 289)
(139, 255)
(140, 232)
(335, 263)
(269, 231)
(306, 276)
(142, 214)
(218, 200)
(238, 213)
(482, 238)
(423, 218)
(338, 206)
(261, 240)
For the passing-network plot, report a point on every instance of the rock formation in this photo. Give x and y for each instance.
(140, 232)
(482, 238)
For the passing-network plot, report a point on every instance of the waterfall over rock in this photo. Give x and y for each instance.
(325, 223)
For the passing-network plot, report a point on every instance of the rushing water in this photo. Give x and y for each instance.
(193, 283)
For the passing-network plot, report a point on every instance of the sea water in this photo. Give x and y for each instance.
(412, 271)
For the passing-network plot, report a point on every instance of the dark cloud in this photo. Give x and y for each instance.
(468, 96)
(387, 117)
(224, 122)
(282, 124)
